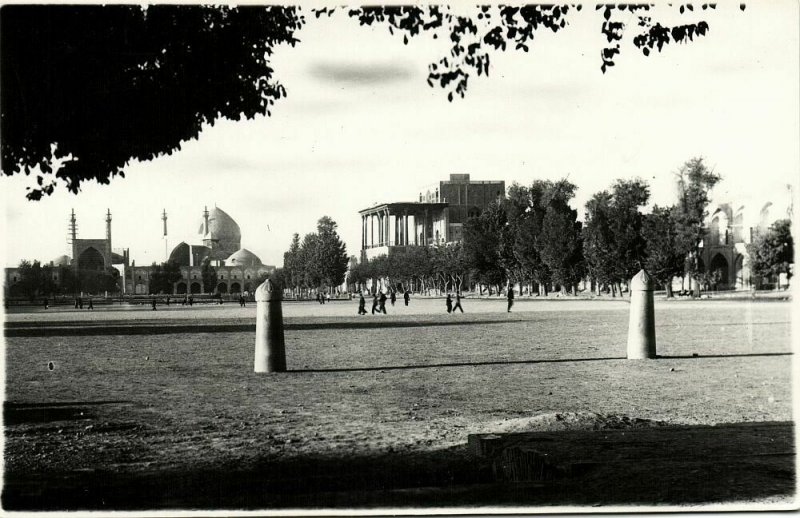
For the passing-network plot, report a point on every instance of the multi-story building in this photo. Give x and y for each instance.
(438, 216)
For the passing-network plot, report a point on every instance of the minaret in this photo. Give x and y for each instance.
(73, 234)
(108, 229)
(205, 219)
(166, 246)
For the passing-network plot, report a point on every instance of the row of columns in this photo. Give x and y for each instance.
(386, 229)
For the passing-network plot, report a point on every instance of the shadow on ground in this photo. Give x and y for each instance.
(660, 465)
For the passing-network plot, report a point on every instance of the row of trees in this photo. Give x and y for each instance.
(533, 238)
(35, 279)
(318, 262)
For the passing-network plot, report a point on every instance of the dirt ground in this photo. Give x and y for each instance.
(373, 410)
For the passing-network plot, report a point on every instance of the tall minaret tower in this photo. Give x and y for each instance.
(205, 220)
(73, 234)
(166, 245)
(108, 229)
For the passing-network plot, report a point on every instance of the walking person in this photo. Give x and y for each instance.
(374, 303)
(91, 305)
(458, 303)
(191, 301)
(449, 303)
(45, 303)
(362, 310)
(510, 297)
(393, 298)
(406, 297)
(382, 309)
(76, 303)
(80, 302)
(154, 303)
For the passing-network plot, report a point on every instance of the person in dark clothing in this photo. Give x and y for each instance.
(80, 303)
(167, 301)
(91, 305)
(45, 303)
(241, 301)
(449, 303)
(374, 303)
(191, 300)
(382, 308)
(510, 298)
(362, 310)
(154, 304)
(406, 297)
(318, 299)
(393, 298)
(458, 303)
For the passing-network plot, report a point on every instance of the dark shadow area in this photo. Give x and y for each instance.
(19, 413)
(462, 364)
(651, 466)
(517, 362)
(160, 328)
(733, 355)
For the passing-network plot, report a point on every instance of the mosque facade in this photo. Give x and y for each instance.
(218, 244)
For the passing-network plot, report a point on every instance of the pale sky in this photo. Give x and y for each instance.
(361, 126)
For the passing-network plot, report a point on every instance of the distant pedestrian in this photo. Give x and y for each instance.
(362, 310)
(154, 303)
(191, 301)
(374, 303)
(45, 303)
(91, 305)
(458, 303)
(382, 308)
(407, 297)
(76, 303)
(393, 298)
(510, 297)
(241, 301)
(167, 301)
(80, 303)
(449, 303)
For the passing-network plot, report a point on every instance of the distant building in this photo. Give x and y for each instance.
(237, 268)
(730, 229)
(438, 216)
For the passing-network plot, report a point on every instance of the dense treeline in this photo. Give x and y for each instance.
(532, 240)
(317, 263)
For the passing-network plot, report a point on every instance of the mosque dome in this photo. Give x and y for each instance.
(181, 254)
(221, 227)
(62, 260)
(243, 257)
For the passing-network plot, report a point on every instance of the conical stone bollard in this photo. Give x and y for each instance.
(270, 351)
(642, 323)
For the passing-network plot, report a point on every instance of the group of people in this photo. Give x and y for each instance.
(379, 301)
(78, 304)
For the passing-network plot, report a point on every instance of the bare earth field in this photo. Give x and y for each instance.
(153, 410)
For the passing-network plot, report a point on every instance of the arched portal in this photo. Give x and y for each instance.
(91, 259)
(236, 288)
(222, 288)
(181, 288)
(719, 272)
(195, 287)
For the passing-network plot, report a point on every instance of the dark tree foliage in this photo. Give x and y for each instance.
(613, 242)
(209, 275)
(164, 275)
(330, 257)
(772, 252)
(108, 84)
(695, 181)
(482, 245)
(560, 243)
(663, 258)
(87, 89)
